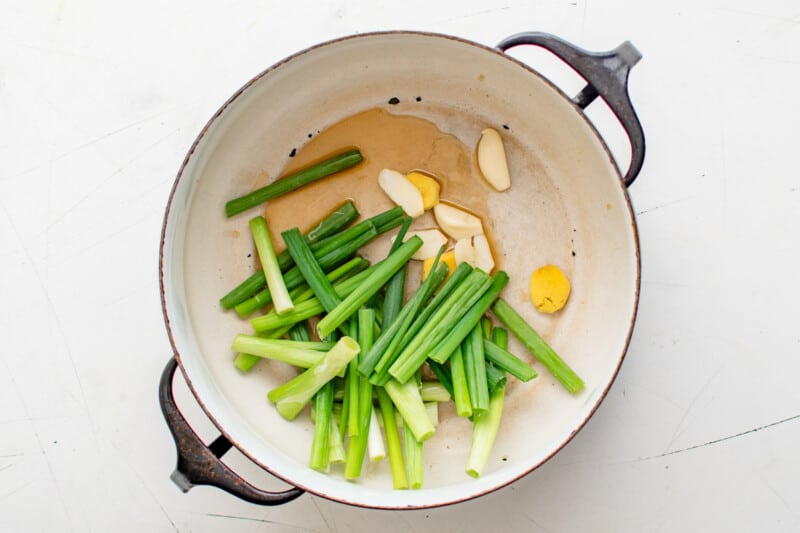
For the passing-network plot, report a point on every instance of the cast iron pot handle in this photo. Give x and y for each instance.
(199, 464)
(606, 74)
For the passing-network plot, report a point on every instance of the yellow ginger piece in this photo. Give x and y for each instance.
(549, 289)
(448, 258)
(428, 187)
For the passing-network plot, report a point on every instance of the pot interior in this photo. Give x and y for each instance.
(567, 207)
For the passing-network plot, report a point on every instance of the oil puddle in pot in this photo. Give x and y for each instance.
(400, 142)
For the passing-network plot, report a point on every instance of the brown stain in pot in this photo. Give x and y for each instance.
(401, 142)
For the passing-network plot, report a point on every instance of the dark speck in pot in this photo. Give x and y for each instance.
(505, 127)
(418, 98)
(394, 100)
(293, 152)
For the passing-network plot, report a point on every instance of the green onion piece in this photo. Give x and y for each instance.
(292, 396)
(329, 228)
(380, 356)
(433, 391)
(358, 443)
(342, 424)
(312, 272)
(414, 466)
(409, 403)
(376, 450)
(386, 350)
(266, 344)
(380, 223)
(320, 444)
(440, 323)
(390, 225)
(297, 353)
(388, 220)
(299, 332)
(303, 292)
(351, 384)
(484, 433)
(244, 290)
(486, 327)
(460, 330)
(475, 370)
(337, 453)
(297, 294)
(442, 374)
(500, 337)
(395, 289)
(392, 342)
(338, 395)
(432, 408)
(269, 263)
(245, 361)
(311, 307)
(340, 218)
(337, 240)
(293, 277)
(384, 270)
(453, 282)
(302, 311)
(537, 346)
(295, 181)
(495, 378)
(508, 362)
(460, 389)
(399, 480)
(366, 328)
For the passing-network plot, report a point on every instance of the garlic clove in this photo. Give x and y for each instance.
(465, 251)
(482, 253)
(401, 191)
(492, 160)
(456, 222)
(432, 241)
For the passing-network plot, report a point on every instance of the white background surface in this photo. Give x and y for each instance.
(99, 102)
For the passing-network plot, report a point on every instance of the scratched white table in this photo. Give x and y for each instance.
(99, 102)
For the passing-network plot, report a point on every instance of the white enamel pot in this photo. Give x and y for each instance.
(567, 196)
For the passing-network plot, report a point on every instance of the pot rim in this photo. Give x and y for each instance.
(161, 274)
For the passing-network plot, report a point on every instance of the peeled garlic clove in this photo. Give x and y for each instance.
(432, 241)
(401, 191)
(465, 251)
(483, 253)
(457, 223)
(492, 160)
